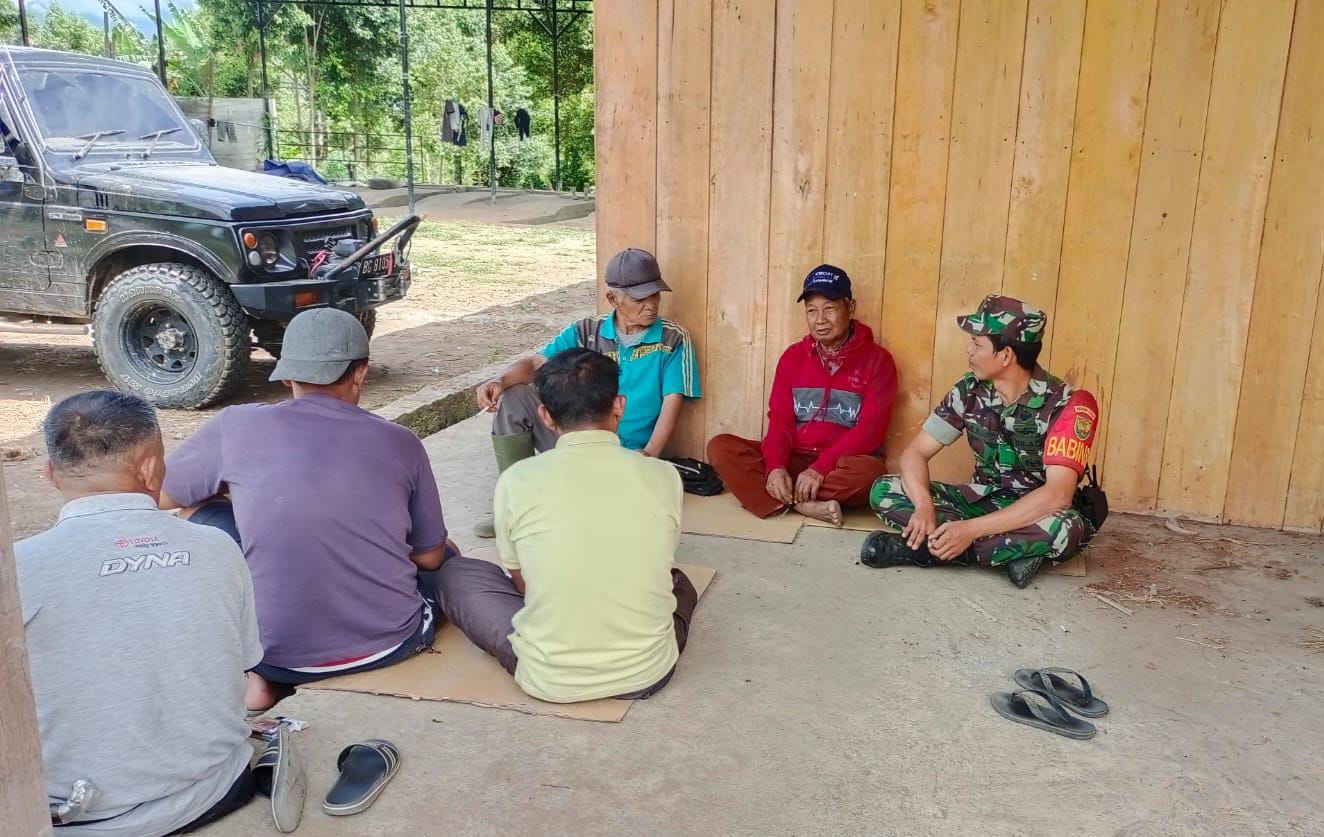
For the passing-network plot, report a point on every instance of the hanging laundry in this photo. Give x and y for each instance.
(460, 125)
(498, 117)
(522, 124)
(447, 114)
(486, 117)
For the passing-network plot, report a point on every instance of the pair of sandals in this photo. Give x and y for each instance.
(365, 770)
(1050, 699)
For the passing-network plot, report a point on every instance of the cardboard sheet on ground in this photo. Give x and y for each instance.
(459, 672)
(1074, 567)
(722, 516)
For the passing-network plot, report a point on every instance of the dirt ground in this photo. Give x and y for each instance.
(482, 293)
(441, 203)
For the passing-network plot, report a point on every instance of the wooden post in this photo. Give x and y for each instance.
(23, 806)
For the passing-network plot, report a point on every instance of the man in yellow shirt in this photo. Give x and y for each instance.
(593, 606)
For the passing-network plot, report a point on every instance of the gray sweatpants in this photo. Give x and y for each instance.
(481, 600)
(518, 413)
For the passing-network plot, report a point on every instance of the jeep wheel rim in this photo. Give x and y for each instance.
(160, 342)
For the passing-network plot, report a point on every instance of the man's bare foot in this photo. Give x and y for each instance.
(260, 694)
(828, 511)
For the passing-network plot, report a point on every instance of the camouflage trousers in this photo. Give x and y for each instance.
(1056, 537)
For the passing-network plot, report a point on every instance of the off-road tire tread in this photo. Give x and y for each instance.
(235, 352)
(368, 319)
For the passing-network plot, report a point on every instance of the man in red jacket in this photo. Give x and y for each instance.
(827, 417)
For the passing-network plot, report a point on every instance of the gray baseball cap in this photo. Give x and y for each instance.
(319, 346)
(636, 273)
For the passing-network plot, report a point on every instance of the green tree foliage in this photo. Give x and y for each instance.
(528, 42)
(9, 29)
(448, 61)
(190, 59)
(335, 75)
(62, 29)
(339, 61)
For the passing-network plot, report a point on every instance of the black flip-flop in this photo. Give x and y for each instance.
(1079, 699)
(280, 775)
(1041, 710)
(365, 770)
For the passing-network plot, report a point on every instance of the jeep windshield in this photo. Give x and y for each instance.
(95, 112)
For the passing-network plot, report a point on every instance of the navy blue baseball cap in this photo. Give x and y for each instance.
(827, 280)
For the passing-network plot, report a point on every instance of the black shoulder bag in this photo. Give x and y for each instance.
(698, 477)
(1091, 501)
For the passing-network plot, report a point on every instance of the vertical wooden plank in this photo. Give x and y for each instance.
(684, 55)
(925, 78)
(1286, 290)
(625, 128)
(988, 74)
(743, 34)
(1305, 495)
(1053, 36)
(799, 165)
(864, 50)
(1183, 69)
(1225, 247)
(1101, 192)
(22, 784)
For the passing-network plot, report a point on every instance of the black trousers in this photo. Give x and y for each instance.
(239, 795)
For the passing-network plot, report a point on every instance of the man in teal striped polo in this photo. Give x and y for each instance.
(659, 370)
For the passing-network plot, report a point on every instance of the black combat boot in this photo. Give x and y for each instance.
(1022, 570)
(885, 549)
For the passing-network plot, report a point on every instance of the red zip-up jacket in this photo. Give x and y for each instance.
(830, 416)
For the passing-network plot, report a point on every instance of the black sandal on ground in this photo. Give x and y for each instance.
(1042, 711)
(365, 770)
(280, 775)
(1079, 699)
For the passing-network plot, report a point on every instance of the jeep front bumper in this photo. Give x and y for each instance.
(282, 300)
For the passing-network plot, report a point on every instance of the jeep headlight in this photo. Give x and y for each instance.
(267, 249)
(263, 249)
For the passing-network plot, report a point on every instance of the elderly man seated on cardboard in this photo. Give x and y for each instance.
(658, 370)
(827, 417)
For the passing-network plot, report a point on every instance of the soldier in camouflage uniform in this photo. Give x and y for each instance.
(1031, 435)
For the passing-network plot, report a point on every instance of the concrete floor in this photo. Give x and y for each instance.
(820, 697)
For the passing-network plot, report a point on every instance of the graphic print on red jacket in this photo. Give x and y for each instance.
(830, 415)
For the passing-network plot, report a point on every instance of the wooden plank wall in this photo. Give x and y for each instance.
(1147, 171)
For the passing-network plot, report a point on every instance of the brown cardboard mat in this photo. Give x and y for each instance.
(1074, 567)
(864, 520)
(722, 516)
(457, 671)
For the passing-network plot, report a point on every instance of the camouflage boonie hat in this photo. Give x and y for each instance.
(1006, 316)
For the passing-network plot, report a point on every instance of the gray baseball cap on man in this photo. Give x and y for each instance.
(319, 345)
(636, 273)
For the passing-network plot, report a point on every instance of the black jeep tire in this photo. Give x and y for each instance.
(272, 347)
(369, 320)
(173, 334)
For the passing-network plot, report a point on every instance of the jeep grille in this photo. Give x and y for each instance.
(312, 241)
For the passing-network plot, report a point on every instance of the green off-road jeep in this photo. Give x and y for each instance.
(114, 215)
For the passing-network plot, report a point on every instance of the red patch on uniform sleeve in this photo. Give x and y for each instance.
(1071, 435)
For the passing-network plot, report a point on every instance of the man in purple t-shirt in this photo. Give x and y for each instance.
(336, 509)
